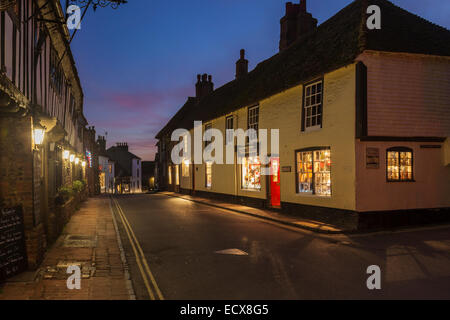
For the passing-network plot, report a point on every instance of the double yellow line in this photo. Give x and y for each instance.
(149, 280)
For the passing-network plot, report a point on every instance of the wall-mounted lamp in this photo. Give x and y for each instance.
(38, 133)
(66, 154)
(72, 158)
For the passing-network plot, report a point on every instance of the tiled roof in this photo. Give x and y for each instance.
(335, 43)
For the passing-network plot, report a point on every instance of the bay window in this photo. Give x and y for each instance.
(314, 171)
(251, 173)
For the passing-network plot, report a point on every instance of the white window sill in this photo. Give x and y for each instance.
(310, 195)
(313, 129)
(251, 190)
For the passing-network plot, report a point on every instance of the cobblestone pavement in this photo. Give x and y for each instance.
(89, 241)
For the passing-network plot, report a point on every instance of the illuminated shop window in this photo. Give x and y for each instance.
(170, 174)
(185, 168)
(251, 173)
(208, 175)
(399, 164)
(314, 172)
(177, 175)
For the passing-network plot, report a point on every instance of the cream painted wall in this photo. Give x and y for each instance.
(224, 176)
(338, 132)
(431, 188)
(283, 112)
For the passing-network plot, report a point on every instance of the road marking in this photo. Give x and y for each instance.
(139, 253)
(138, 260)
(232, 252)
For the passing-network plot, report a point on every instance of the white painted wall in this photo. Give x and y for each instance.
(136, 178)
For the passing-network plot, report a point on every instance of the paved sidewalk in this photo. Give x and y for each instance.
(315, 226)
(89, 240)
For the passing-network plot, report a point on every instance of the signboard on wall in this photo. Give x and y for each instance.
(372, 158)
(13, 259)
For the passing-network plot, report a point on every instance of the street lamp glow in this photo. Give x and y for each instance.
(66, 154)
(72, 158)
(38, 134)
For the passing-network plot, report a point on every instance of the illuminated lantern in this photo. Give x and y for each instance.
(66, 154)
(38, 134)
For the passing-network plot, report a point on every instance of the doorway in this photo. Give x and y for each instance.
(275, 182)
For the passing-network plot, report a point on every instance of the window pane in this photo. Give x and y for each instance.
(313, 105)
(393, 166)
(251, 173)
(208, 174)
(405, 166)
(305, 165)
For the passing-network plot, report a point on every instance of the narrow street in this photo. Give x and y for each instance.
(183, 243)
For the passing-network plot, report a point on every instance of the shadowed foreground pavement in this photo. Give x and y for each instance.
(180, 240)
(89, 240)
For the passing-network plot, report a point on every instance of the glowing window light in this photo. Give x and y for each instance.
(66, 154)
(89, 158)
(38, 134)
(83, 164)
(72, 158)
(77, 160)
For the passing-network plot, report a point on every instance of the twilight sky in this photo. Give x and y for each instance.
(138, 64)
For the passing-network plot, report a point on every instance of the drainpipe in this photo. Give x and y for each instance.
(236, 175)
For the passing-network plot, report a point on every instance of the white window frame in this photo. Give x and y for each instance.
(229, 136)
(253, 118)
(314, 173)
(244, 168)
(208, 126)
(313, 101)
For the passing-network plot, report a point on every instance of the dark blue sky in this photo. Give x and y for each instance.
(139, 63)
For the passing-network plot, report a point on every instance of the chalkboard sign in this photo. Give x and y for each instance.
(13, 258)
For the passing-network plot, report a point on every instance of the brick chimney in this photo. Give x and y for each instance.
(241, 66)
(296, 23)
(122, 146)
(101, 141)
(204, 86)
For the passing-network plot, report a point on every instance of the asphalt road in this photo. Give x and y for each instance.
(181, 239)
